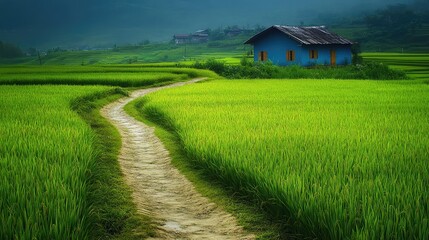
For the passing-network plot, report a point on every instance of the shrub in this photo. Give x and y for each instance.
(356, 57)
(245, 62)
(374, 70)
(250, 70)
(215, 66)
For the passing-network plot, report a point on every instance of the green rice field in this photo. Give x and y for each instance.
(124, 76)
(338, 156)
(416, 65)
(45, 152)
(48, 151)
(343, 159)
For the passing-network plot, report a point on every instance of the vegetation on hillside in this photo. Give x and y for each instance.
(399, 28)
(8, 50)
(394, 23)
(231, 49)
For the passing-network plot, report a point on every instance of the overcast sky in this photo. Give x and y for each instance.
(67, 23)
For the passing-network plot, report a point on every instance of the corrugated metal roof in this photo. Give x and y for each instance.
(315, 35)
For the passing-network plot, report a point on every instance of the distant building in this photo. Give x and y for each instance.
(304, 46)
(232, 32)
(182, 38)
(200, 36)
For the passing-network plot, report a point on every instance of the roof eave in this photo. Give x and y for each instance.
(324, 44)
(253, 39)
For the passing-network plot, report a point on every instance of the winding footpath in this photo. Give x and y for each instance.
(159, 189)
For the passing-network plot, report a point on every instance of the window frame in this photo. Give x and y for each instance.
(290, 55)
(263, 56)
(314, 54)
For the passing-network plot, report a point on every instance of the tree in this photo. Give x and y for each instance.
(8, 50)
(356, 57)
(396, 22)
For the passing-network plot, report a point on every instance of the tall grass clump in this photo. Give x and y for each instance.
(341, 159)
(45, 153)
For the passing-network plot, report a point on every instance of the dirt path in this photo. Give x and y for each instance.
(160, 190)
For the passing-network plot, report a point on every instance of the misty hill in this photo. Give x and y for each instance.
(77, 23)
(397, 28)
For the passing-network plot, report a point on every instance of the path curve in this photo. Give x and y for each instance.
(159, 190)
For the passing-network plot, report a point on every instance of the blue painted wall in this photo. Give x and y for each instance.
(276, 44)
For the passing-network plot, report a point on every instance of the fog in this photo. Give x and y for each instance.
(76, 23)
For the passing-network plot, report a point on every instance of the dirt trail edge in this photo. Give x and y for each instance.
(159, 190)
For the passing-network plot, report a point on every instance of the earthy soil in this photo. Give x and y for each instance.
(159, 189)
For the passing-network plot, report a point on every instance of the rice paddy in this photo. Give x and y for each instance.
(45, 152)
(348, 159)
(416, 65)
(124, 76)
(344, 159)
(48, 150)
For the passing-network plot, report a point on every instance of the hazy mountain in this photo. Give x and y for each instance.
(72, 23)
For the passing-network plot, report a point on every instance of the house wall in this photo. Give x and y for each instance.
(276, 44)
(343, 55)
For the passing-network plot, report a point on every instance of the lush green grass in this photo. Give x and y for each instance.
(114, 215)
(46, 151)
(125, 75)
(245, 210)
(345, 159)
(416, 65)
(47, 140)
(59, 178)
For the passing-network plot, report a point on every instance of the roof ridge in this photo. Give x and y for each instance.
(309, 35)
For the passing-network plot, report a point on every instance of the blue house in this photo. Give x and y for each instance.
(304, 46)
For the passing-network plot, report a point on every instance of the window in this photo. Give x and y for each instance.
(263, 56)
(314, 54)
(290, 55)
